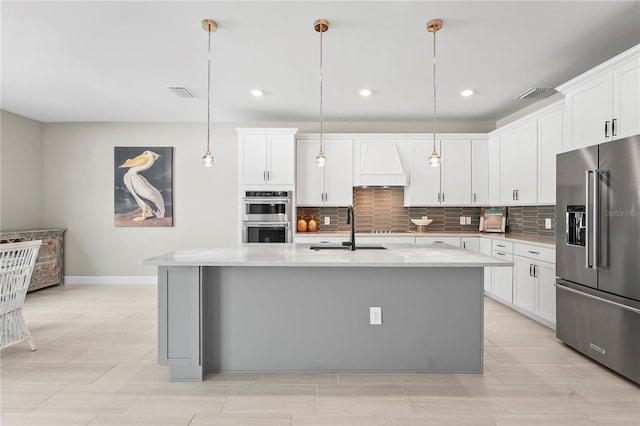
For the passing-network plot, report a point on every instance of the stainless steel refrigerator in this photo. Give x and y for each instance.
(598, 253)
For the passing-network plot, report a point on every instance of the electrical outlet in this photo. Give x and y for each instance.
(468, 220)
(547, 223)
(327, 220)
(462, 220)
(375, 315)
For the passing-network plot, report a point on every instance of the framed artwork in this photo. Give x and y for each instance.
(143, 186)
(493, 219)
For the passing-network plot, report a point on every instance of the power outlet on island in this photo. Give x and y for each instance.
(327, 220)
(375, 315)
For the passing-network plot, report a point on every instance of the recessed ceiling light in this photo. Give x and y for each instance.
(256, 92)
(466, 92)
(365, 92)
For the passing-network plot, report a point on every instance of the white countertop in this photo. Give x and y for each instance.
(548, 242)
(300, 255)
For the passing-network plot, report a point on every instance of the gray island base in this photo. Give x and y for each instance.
(289, 309)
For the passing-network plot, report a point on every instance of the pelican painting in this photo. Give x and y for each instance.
(146, 176)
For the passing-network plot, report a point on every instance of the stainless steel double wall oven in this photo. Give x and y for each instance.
(266, 217)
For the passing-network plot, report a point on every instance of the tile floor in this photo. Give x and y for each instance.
(96, 365)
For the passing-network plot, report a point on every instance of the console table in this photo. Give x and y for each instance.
(49, 268)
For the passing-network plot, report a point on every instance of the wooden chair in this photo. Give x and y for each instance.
(16, 267)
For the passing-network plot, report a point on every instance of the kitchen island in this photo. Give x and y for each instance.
(285, 307)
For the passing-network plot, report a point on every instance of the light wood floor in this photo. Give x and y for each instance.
(96, 365)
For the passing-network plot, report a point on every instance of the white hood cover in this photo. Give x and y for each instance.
(380, 165)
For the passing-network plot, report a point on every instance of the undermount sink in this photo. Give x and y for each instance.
(341, 247)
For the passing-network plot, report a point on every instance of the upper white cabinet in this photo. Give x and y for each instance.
(450, 184)
(494, 169)
(519, 164)
(267, 157)
(330, 185)
(603, 104)
(480, 172)
(549, 145)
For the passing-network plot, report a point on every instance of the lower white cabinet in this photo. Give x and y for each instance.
(470, 243)
(502, 278)
(534, 289)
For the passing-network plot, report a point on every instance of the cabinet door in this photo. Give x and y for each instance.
(524, 284)
(280, 160)
(472, 244)
(626, 99)
(480, 172)
(549, 145)
(424, 184)
(508, 166)
(338, 175)
(455, 183)
(494, 171)
(546, 291)
(527, 171)
(310, 177)
(590, 106)
(254, 159)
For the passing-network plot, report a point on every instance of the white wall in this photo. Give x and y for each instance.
(20, 173)
(78, 189)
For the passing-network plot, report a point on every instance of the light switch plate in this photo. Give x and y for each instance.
(375, 315)
(468, 220)
(547, 223)
(462, 220)
(327, 220)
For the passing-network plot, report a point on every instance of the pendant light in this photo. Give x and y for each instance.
(209, 26)
(433, 26)
(321, 26)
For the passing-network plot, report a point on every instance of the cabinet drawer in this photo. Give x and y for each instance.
(452, 241)
(502, 255)
(503, 246)
(545, 254)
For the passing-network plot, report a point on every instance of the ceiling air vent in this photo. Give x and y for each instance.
(180, 91)
(536, 93)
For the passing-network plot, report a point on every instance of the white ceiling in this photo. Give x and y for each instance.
(112, 61)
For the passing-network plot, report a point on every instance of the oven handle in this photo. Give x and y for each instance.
(620, 305)
(262, 223)
(266, 200)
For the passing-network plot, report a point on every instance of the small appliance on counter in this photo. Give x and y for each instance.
(266, 217)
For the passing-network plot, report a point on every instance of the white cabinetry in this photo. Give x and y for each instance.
(494, 169)
(603, 104)
(534, 279)
(480, 172)
(450, 184)
(267, 157)
(549, 145)
(519, 164)
(470, 243)
(330, 185)
(502, 277)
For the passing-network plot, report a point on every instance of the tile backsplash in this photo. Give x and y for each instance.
(381, 209)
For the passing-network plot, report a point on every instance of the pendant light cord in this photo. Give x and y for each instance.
(209, 93)
(321, 110)
(434, 91)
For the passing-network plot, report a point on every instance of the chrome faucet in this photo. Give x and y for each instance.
(351, 219)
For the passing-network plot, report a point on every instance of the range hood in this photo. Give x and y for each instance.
(380, 165)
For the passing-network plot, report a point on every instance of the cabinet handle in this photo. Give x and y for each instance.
(513, 195)
(613, 127)
(474, 197)
(535, 271)
(264, 175)
(530, 270)
(326, 197)
(500, 245)
(606, 129)
(464, 244)
(438, 197)
(443, 197)
(533, 252)
(517, 194)
(501, 254)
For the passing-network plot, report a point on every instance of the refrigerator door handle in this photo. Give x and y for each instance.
(587, 195)
(596, 219)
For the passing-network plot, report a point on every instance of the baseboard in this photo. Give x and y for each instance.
(109, 280)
